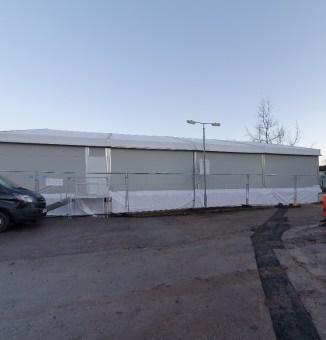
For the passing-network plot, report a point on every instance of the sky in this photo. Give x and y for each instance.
(144, 67)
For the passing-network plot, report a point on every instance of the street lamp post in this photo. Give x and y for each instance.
(204, 153)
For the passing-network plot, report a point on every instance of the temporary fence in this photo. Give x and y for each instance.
(323, 182)
(69, 193)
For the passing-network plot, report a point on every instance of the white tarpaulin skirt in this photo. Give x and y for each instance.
(137, 201)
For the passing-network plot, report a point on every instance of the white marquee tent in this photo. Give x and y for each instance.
(97, 172)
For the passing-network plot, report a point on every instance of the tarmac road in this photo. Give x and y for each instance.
(172, 277)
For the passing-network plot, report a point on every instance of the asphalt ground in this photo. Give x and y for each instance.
(252, 274)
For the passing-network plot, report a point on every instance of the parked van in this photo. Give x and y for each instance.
(18, 204)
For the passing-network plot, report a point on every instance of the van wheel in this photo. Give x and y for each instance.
(4, 222)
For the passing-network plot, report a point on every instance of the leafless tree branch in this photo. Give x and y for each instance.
(269, 131)
(293, 140)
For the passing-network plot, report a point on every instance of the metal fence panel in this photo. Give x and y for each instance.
(105, 193)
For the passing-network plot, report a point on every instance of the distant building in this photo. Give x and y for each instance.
(322, 174)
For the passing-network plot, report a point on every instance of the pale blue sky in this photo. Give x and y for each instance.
(145, 67)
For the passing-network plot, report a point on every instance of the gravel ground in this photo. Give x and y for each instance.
(174, 277)
(304, 257)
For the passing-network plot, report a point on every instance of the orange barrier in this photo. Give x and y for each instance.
(323, 222)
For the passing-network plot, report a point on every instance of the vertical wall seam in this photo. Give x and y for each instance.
(86, 159)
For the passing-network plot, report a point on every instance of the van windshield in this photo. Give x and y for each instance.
(7, 183)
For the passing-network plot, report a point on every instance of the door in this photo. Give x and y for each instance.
(97, 169)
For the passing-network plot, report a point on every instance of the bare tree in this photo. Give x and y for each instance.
(269, 131)
(295, 138)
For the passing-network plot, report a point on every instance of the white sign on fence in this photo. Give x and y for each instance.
(54, 182)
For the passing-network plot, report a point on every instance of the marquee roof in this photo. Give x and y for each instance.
(96, 139)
